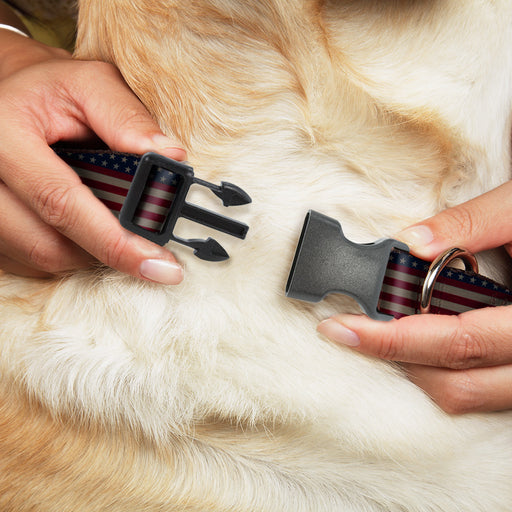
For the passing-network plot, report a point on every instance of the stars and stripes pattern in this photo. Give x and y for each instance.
(455, 290)
(109, 175)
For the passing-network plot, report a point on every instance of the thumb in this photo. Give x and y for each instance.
(120, 119)
(479, 224)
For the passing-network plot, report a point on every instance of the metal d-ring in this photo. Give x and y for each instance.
(436, 268)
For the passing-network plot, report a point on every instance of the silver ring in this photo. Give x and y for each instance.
(436, 268)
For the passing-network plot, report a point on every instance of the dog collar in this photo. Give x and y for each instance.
(385, 279)
(148, 195)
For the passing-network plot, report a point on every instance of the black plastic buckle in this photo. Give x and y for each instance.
(150, 166)
(326, 262)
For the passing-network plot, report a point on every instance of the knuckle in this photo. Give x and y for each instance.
(388, 347)
(465, 349)
(130, 121)
(133, 117)
(43, 257)
(460, 394)
(54, 204)
(115, 251)
(460, 220)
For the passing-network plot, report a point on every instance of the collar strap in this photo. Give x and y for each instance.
(148, 195)
(454, 291)
(386, 280)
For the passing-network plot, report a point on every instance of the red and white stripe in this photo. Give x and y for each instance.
(455, 290)
(111, 187)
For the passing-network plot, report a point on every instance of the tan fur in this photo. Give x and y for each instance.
(218, 395)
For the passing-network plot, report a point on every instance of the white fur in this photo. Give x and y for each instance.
(321, 427)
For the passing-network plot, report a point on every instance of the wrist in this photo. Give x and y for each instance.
(10, 18)
(18, 52)
(12, 28)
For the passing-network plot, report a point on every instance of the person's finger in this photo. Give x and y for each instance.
(25, 240)
(477, 338)
(116, 115)
(480, 224)
(463, 391)
(15, 267)
(55, 193)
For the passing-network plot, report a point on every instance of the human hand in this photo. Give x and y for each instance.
(463, 362)
(49, 221)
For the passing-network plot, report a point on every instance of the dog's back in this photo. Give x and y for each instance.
(217, 394)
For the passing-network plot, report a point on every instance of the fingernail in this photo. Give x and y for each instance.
(416, 237)
(161, 271)
(169, 146)
(338, 333)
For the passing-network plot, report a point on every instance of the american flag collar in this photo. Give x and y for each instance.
(148, 195)
(454, 292)
(384, 277)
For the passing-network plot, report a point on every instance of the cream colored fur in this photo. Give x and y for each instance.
(217, 394)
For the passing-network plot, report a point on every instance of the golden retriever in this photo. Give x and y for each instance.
(218, 394)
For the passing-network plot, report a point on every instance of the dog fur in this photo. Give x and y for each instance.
(217, 394)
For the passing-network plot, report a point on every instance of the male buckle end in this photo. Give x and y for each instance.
(156, 199)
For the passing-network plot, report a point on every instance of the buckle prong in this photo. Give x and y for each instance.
(214, 220)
